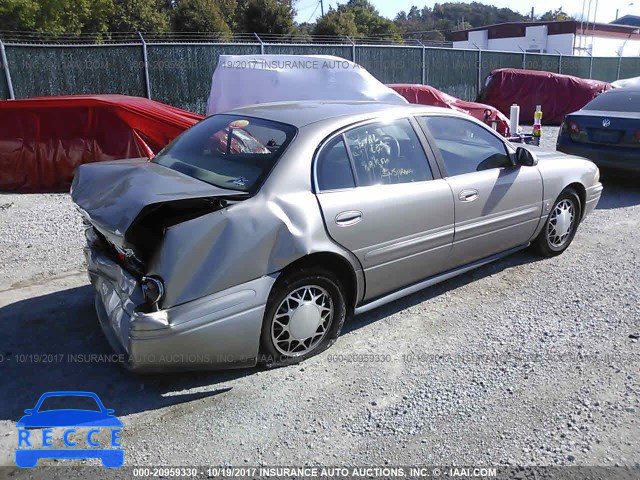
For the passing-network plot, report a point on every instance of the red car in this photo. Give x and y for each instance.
(557, 94)
(426, 95)
(43, 140)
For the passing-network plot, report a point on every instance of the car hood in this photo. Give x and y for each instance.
(542, 153)
(112, 194)
(549, 157)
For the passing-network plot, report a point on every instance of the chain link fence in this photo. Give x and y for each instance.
(178, 71)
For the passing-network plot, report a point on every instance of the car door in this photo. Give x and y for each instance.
(497, 205)
(380, 200)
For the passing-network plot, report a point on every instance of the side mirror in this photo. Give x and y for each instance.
(525, 158)
(29, 411)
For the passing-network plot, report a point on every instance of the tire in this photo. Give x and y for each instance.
(566, 214)
(304, 315)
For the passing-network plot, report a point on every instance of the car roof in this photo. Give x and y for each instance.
(622, 90)
(304, 113)
(70, 393)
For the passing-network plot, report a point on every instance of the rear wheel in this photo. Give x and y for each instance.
(561, 225)
(304, 315)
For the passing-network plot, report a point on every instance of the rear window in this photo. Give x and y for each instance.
(228, 151)
(615, 101)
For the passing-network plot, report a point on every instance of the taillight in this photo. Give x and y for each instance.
(574, 127)
(636, 136)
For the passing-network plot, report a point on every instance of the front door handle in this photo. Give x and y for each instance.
(468, 195)
(348, 218)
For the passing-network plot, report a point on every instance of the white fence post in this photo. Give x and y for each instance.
(7, 73)
(353, 50)
(145, 59)
(261, 43)
(619, 64)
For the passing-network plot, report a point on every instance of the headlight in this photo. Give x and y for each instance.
(152, 290)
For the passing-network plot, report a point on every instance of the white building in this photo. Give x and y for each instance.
(564, 38)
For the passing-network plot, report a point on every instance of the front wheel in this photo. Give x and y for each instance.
(561, 225)
(304, 315)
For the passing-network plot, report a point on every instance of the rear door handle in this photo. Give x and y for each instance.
(348, 218)
(468, 195)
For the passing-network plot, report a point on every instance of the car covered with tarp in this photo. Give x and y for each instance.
(557, 94)
(633, 82)
(43, 140)
(244, 80)
(428, 95)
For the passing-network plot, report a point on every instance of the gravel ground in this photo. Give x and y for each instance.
(522, 362)
(41, 236)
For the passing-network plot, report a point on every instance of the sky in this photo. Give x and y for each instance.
(308, 10)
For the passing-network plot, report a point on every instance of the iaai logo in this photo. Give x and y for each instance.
(79, 433)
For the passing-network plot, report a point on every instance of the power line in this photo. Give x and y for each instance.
(314, 11)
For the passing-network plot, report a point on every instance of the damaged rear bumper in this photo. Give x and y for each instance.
(217, 331)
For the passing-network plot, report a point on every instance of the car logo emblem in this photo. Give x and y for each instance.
(606, 122)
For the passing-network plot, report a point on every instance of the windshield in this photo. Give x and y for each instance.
(228, 151)
(65, 402)
(615, 101)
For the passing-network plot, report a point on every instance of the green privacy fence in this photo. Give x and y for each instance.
(180, 73)
(391, 64)
(452, 71)
(577, 66)
(62, 70)
(630, 67)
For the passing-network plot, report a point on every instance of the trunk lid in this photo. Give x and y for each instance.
(115, 196)
(603, 128)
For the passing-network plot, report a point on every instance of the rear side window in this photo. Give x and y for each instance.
(334, 168)
(615, 101)
(387, 153)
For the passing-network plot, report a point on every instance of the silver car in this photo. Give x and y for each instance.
(256, 233)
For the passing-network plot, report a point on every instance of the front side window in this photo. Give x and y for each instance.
(228, 151)
(466, 147)
(387, 153)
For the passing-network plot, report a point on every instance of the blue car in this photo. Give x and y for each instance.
(606, 130)
(68, 417)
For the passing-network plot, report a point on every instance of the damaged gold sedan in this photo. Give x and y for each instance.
(255, 233)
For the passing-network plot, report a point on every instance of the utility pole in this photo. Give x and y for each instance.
(321, 8)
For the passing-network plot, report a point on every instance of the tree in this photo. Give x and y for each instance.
(265, 16)
(140, 15)
(55, 16)
(367, 19)
(199, 16)
(557, 15)
(434, 23)
(356, 18)
(336, 23)
(18, 15)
